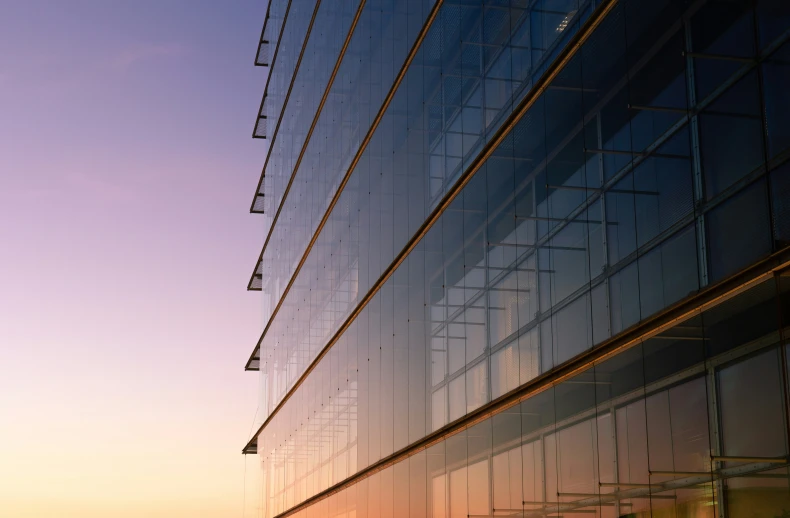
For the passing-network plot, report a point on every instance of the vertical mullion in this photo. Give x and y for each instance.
(699, 190)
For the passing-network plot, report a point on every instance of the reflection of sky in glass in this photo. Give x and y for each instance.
(126, 167)
(626, 435)
(586, 219)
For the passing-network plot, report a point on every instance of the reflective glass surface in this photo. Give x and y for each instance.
(437, 116)
(290, 110)
(285, 47)
(301, 98)
(272, 28)
(663, 428)
(385, 31)
(651, 167)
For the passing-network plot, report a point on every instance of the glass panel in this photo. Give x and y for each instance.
(720, 28)
(731, 136)
(457, 398)
(655, 430)
(506, 463)
(505, 370)
(603, 206)
(437, 481)
(572, 330)
(476, 387)
(739, 231)
(668, 272)
(784, 302)
(624, 298)
(773, 17)
(776, 72)
(677, 423)
(741, 320)
(751, 392)
(780, 204)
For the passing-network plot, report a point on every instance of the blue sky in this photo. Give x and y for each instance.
(126, 173)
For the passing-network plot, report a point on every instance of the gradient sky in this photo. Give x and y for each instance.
(126, 174)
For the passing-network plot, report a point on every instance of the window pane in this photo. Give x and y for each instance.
(529, 355)
(752, 413)
(780, 202)
(439, 408)
(674, 350)
(572, 329)
(750, 316)
(476, 386)
(576, 452)
(663, 188)
(506, 463)
(773, 17)
(504, 369)
(661, 83)
(621, 220)
(784, 300)
(600, 313)
(457, 398)
(478, 488)
(632, 459)
(739, 231)
(731, 136)
(723, 28)
(678, 441)
(624, 297)
(776, 77)
(418, 504)
(753, 425)
(458, 488)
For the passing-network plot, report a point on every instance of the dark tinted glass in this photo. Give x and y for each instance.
(773, 17)
(780, 205)
(739, 231)
(776, 78)
(731, 136)
(668, 272)
(720, 28)
(751, 392)
(741, 319)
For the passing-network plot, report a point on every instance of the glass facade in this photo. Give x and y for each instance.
(527, 258)
(664, 427)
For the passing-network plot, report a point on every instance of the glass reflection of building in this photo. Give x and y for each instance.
(525, 258)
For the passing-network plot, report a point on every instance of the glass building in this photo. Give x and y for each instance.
(524, 258)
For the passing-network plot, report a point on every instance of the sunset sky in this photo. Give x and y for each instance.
(126, 174)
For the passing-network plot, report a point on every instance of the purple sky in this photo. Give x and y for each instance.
(126, 174)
